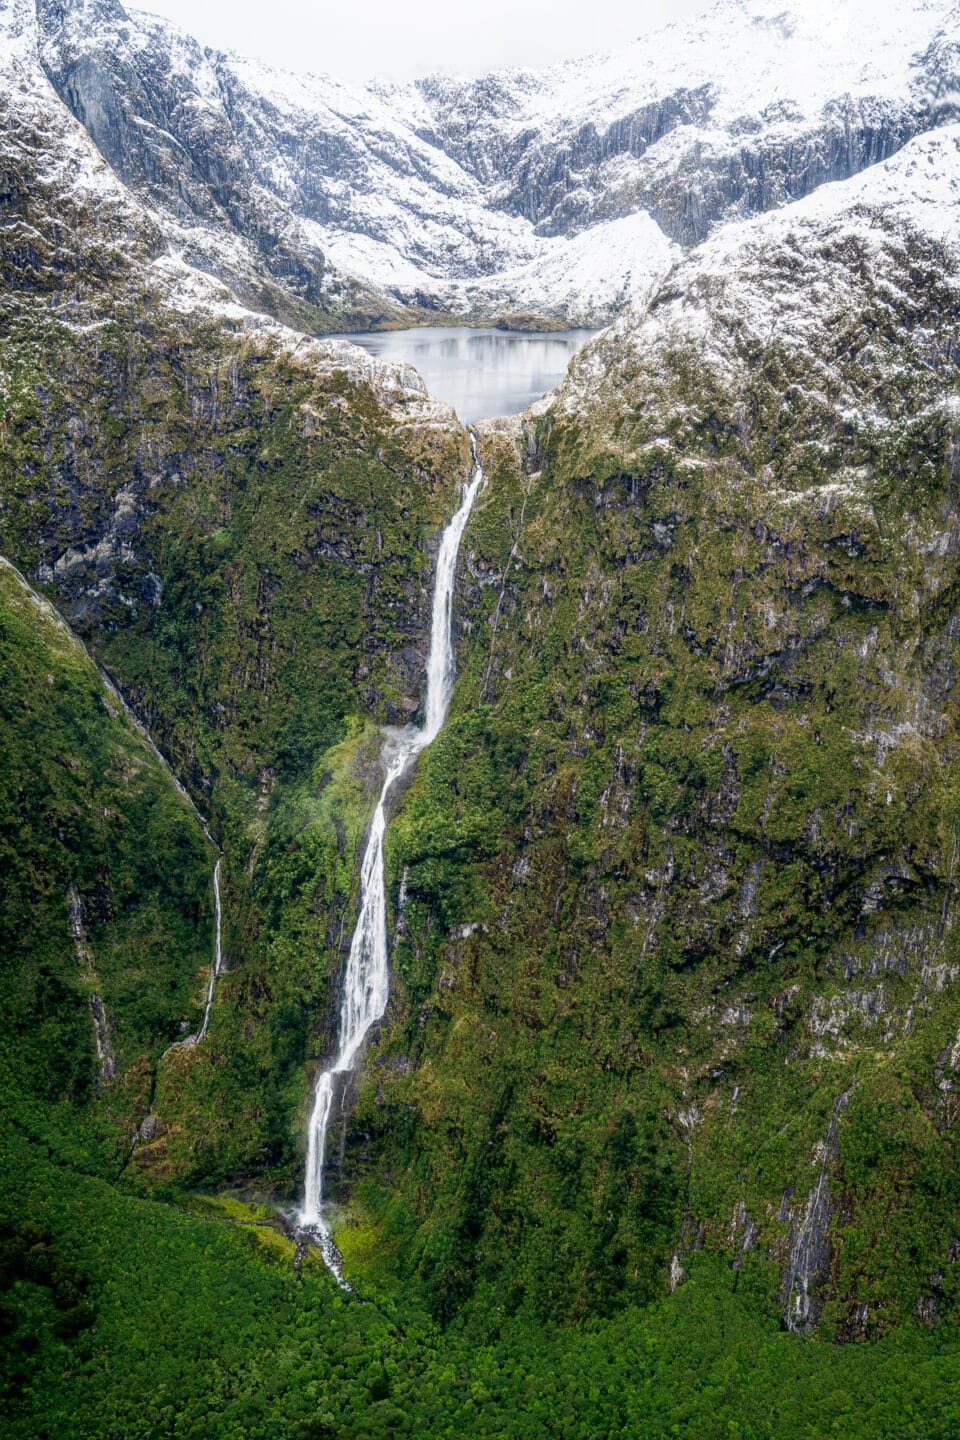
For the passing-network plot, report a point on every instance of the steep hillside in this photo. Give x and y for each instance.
(106, 913)
(675, 944)
(668, 1081)
(682, 859)
(239, 521)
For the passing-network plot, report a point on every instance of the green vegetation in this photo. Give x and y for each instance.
(267, 523)
(678, 938)
(106, 895)
(671, 1057)
(198, 1332)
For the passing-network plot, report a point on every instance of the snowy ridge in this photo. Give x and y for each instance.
(74, 231)
(560, 195)
(67, 162)
(751, 55)
(913, 197)
(707, 104)
(837, 284)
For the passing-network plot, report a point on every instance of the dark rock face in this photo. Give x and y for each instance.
(155, 118)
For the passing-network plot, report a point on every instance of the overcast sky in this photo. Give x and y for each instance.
(359, 38)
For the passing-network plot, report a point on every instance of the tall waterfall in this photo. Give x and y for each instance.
(367, 980)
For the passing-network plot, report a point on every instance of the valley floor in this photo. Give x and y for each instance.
(203, 1332)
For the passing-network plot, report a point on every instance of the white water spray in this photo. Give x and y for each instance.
(366, 985)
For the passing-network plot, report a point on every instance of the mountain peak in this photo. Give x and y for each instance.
(489, 198)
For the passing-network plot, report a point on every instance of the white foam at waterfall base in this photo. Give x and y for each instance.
(366, 985)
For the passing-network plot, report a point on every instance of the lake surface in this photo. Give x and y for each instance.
(480, 372)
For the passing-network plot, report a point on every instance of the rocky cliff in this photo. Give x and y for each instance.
(675, 892)
(736, 111)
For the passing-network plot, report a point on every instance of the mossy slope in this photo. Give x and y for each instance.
(676, 962)
(106, 916)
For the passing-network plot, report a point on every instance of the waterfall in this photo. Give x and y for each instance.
(188, 1042)
(366, 984)
(217, 953)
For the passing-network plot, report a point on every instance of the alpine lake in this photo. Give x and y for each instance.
(480, 372)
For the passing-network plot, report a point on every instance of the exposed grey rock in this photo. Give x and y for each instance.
(253, 174)
(809, 1247)
(106, 1059)
(152, 1128)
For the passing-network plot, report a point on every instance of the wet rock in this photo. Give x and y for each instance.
(677, 1272)
(151, 1129)
(809, 1246)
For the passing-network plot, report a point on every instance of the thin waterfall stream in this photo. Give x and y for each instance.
(51, 613)
(188, 1041)
(217, 951)
(366, 985)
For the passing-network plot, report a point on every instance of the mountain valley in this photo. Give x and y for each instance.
(658, 1131)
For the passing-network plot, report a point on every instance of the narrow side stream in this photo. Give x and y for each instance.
(50, 612)
(188, 1042)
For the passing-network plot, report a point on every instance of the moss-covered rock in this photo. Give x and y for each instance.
(675, 962)
(106, 919)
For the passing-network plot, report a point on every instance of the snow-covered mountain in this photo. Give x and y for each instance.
(560, 195)
(554, 195)
(748, 106)
(707, 617)
(845, 301)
